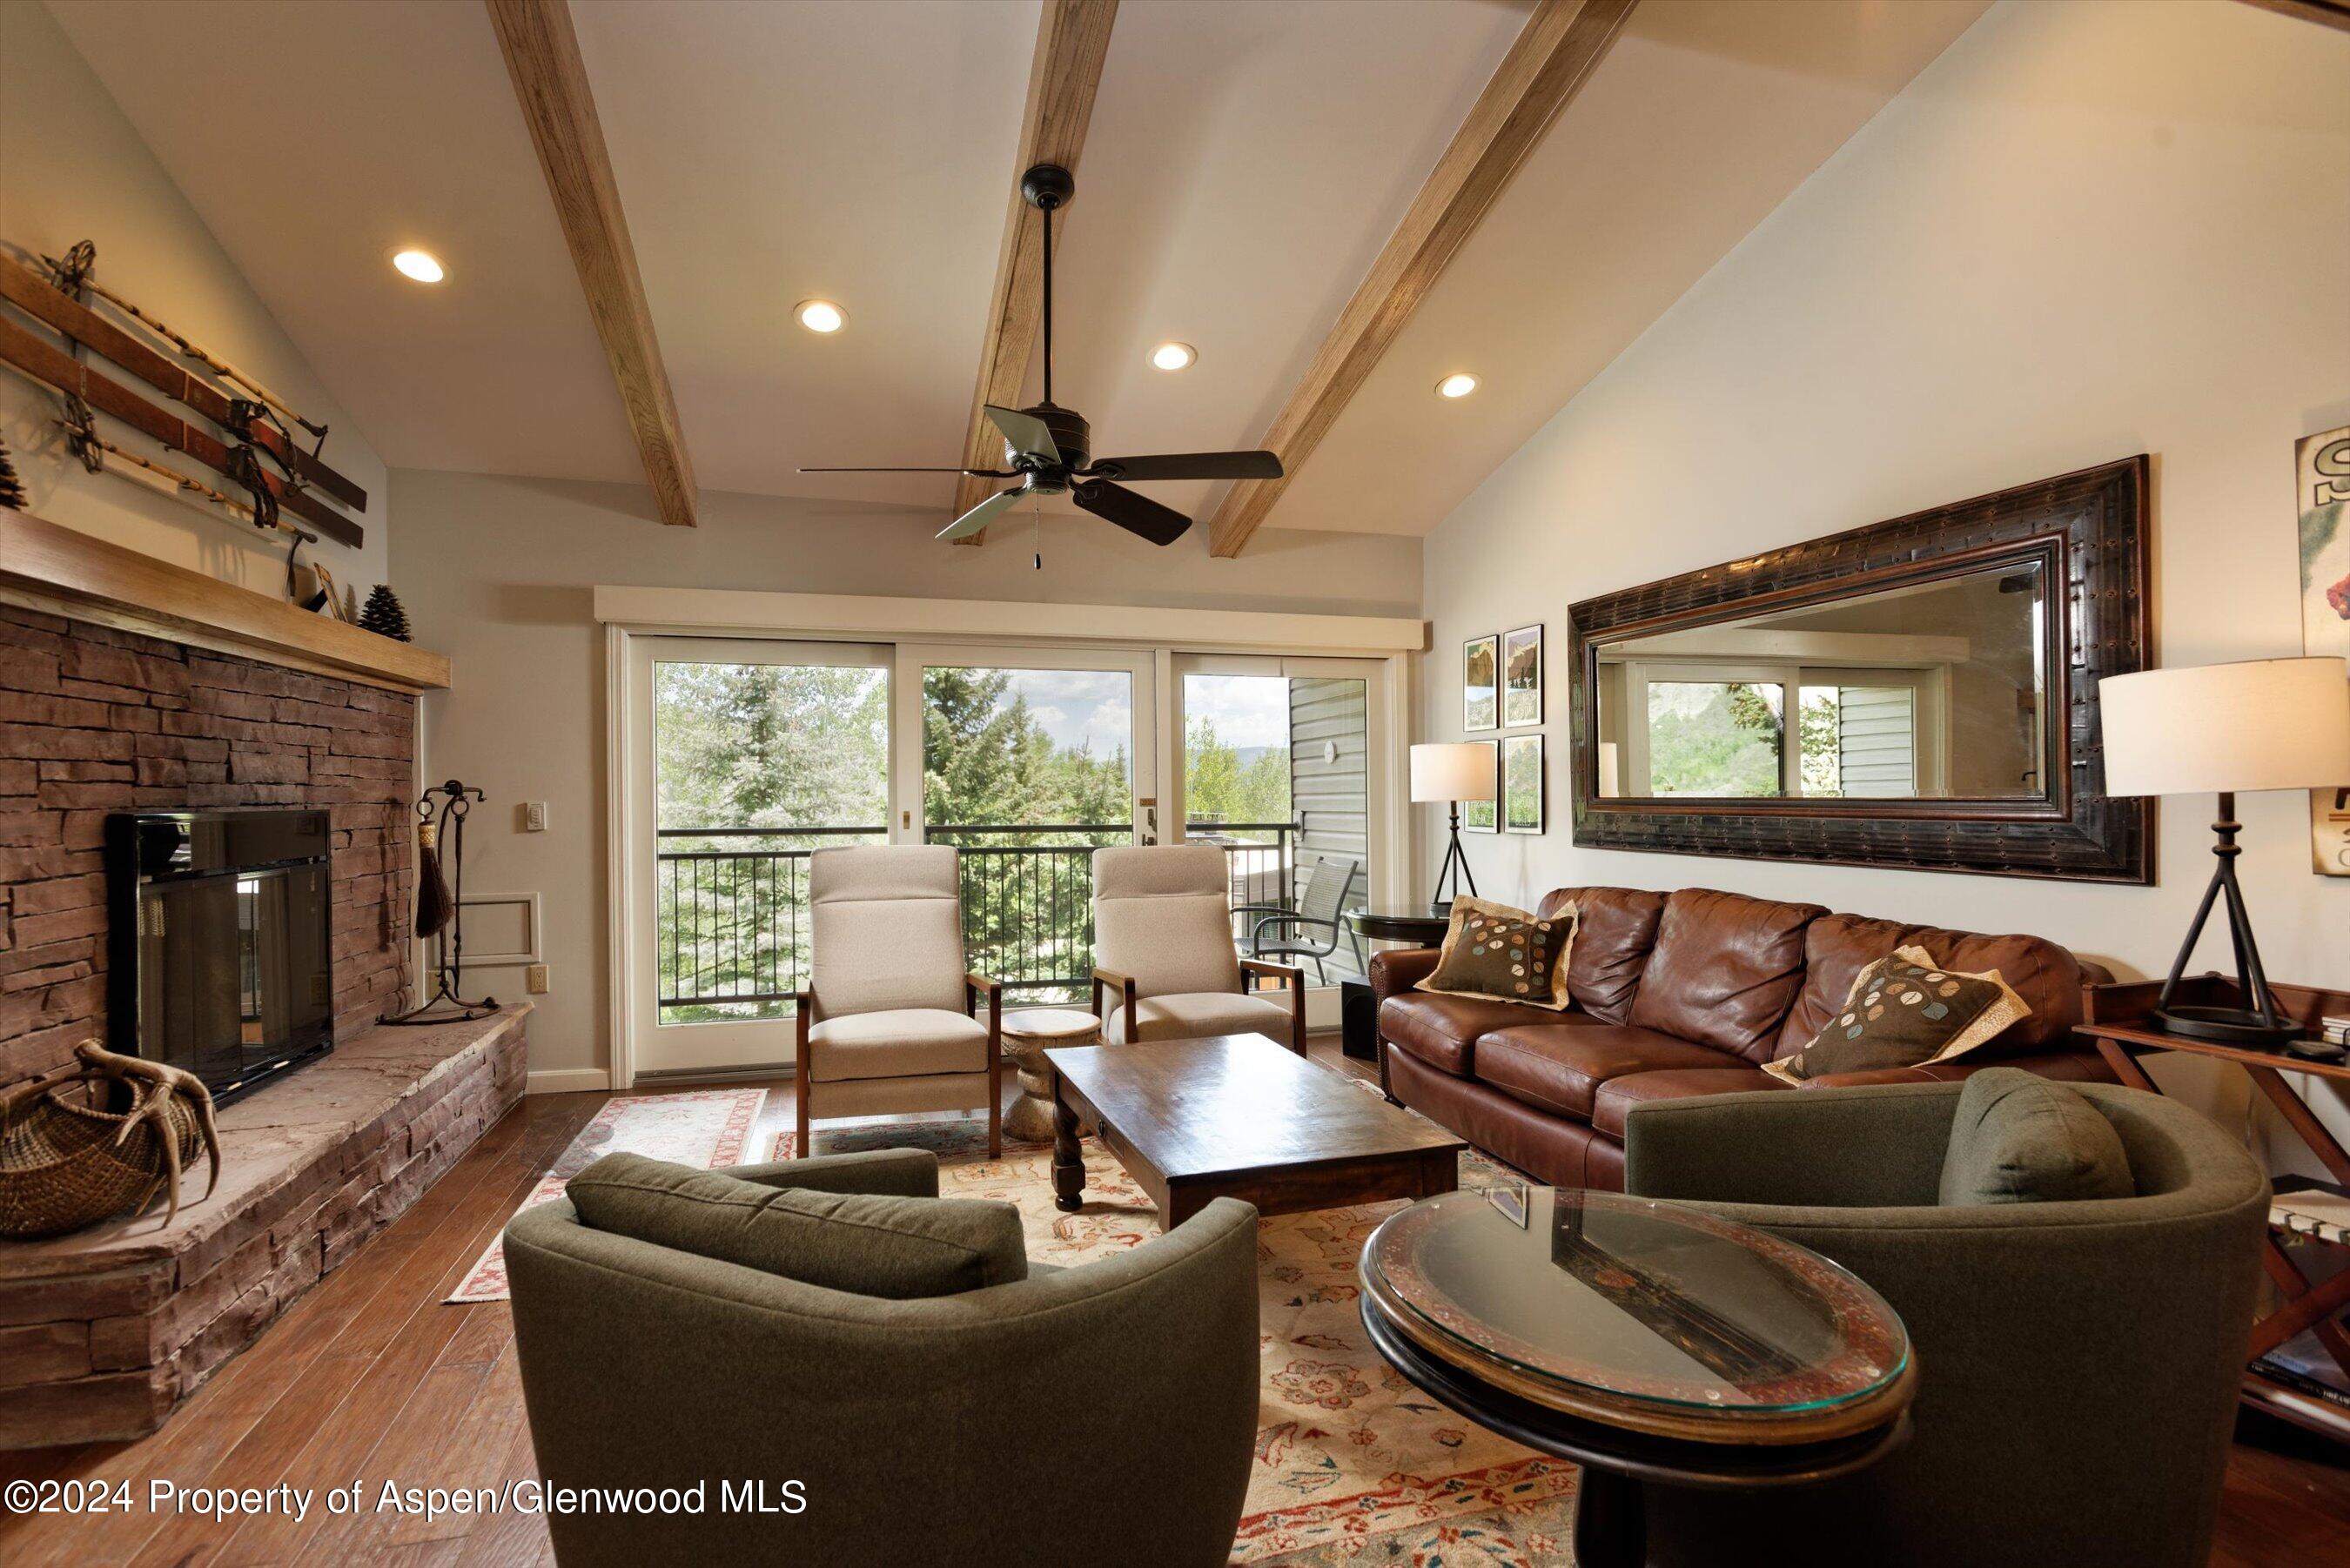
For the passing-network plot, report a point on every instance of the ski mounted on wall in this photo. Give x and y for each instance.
(47, 363)
(38, 298)
(257, 424)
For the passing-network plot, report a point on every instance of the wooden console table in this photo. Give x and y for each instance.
(2116, 1018)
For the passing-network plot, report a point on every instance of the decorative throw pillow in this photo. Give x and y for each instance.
(1491, 950)
(1903, 1011)
(901, 1248)
(2018, 1137)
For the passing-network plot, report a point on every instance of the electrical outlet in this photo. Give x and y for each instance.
(534, 816)
(534, 979)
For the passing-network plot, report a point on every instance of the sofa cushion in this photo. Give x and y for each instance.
(898, 1043)
(2018, 1139)
(1614, 930)
(1441, 1031)
(1907, 1012)
(899, 1248)
(1492, 950)
(1724, 970)
(1837, 948)
(1617, 1097)
(1558, 1067)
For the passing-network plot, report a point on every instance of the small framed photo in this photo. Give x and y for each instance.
(1522, 676)
(1521, 783)
(1481, 686)
(1484, 815)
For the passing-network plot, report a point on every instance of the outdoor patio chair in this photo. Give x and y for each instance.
(1322, 906)
(886, 1023)
(1163, 944)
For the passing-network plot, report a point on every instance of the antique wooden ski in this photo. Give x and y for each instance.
(34, 295)
(46, 362)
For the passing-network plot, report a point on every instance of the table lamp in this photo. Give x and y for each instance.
(1452, 772)
(2217, 728)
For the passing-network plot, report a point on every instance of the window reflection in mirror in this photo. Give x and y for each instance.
(1930, 690)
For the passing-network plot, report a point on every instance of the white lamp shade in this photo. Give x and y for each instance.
(2266, 723)
(1452, 770)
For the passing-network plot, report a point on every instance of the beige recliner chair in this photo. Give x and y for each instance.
(1166, 962)
(886, 1023)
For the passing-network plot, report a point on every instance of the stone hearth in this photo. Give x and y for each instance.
(102, 1333)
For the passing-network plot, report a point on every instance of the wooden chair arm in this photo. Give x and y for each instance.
(976, 985)
(1293, 981)
(1124, 985)
(1292, 975)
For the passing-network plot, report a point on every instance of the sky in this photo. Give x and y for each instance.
(1096, 707)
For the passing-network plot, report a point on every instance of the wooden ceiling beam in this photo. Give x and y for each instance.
(2332, 14)
(551, 80)
(1072, 41)
(1549, 62)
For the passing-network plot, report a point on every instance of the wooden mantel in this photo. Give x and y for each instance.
(44, 566)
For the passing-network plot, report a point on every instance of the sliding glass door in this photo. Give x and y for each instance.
(742, 757)
(756, 755)
(1277, 766)
(1031, 760)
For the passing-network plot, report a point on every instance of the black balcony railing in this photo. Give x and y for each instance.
(732, 925)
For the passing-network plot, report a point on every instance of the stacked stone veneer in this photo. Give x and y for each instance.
(102, 1333)
(94, 721)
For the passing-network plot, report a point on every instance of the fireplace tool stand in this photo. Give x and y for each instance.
(441, 905)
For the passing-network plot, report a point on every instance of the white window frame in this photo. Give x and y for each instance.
(990, 629)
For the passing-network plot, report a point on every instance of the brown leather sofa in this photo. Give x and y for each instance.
(1677, 994)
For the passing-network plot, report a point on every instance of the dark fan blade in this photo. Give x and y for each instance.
(1135, 513)
(979, 516)
(1191, 466)
(975, 472)
(1026, 433)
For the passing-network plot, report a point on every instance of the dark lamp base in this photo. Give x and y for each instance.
(2227, 1026)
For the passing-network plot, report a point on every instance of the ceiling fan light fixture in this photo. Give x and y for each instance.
(421, 266)
(820, 315)
(1173, 356)
(1458, 385)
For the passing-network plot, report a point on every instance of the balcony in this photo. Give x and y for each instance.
(731, 906)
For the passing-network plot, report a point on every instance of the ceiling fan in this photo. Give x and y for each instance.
(1049, 448)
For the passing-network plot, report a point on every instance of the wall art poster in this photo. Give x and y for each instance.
(1480, 683)
(1521, 676)
(1521, 783)
(2322, 467)
(1484, 815)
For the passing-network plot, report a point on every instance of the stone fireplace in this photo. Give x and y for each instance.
(105, 711)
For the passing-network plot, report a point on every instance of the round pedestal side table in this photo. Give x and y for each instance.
(1645, 1341)
(1027, 1035)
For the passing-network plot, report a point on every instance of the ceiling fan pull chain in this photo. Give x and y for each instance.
(1037, 542)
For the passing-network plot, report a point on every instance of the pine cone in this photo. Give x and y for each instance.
(12, 489)
(384, 616)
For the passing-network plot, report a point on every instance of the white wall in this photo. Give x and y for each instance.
(71, 168)
(2085, 231)
(500, 574)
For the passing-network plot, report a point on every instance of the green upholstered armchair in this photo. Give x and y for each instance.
(2078, 1362)
(1103, 1413)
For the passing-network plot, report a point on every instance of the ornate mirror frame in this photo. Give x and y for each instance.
(2087, 531)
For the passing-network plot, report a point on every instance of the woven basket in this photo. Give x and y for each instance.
(66, 1162)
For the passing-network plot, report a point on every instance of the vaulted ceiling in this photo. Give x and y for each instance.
(1245, 165)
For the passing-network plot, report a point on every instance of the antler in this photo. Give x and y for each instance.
(161, 1083)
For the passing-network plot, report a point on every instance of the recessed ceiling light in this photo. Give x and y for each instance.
(1457, 386)
(821, 316)
(421, 266)
(1173, 356)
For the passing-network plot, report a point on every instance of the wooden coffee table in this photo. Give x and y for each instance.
(1238, 1116)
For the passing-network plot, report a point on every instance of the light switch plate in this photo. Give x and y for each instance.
(534, 816)
(534, 979)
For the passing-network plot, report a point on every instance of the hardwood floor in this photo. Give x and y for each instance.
(371, 1376)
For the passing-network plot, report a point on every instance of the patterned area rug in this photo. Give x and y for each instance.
(1354, 1466)
(708, 1129)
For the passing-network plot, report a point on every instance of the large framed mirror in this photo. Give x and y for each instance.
(1919, 693)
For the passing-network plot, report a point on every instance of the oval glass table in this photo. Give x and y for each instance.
(1647, 1342)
